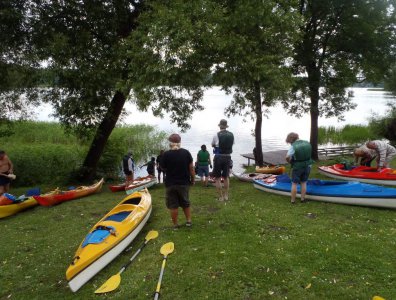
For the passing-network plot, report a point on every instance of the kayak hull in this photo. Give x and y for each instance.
(276, 170)
(12, 209)
(141, 183)
(117, 187)
(90, 258)
(341, 192)
(57, 196)
(250, 177)
(364, 174)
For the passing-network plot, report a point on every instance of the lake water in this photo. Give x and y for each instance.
(275, 128)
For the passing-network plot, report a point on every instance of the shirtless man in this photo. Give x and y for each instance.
(6, 168)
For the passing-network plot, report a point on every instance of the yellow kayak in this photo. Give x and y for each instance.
(11, 209)
(109, 237)
(276, 170)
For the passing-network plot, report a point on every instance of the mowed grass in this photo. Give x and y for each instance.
(256, 246)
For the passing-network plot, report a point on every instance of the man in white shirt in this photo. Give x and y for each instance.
(385, 152)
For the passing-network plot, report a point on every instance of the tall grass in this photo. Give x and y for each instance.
(43, 153)
(349, 134)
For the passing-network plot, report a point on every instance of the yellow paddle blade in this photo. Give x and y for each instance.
(167, 248)
(110, 285)
(378, 298)
(151, 235)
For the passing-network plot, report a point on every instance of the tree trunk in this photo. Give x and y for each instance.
(314, 84)
(259, 121)
(88, 169)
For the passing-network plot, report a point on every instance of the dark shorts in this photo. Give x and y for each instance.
(221, 166)
(203, 171)
(128, 173)
(4, 180)
(300, 175)
(177, 196)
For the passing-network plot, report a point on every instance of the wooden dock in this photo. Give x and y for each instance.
(277, 157)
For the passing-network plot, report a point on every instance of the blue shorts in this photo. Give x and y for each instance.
(300, 175)
(203, 171)
(221, 166)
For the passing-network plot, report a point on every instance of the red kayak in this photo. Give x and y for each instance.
(117, 187)
(57, 196)
(384, 176)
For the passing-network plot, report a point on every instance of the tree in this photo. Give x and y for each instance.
(242, 46)
(16, 76)
(83, 44)
(341, 41)
(390, 80)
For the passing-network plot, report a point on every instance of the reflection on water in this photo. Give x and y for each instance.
(275, 128)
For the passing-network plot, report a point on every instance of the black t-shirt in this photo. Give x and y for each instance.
(176, 164)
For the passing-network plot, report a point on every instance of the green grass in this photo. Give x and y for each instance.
(256, 246)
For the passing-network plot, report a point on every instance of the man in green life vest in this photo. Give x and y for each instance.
(299, 156)
(222, 142)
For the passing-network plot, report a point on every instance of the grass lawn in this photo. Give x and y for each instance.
(256, 246)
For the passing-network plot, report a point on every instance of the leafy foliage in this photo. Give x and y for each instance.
(349, 134)
(385, 126)
(390, 80)
(43, 153)
(341, 40)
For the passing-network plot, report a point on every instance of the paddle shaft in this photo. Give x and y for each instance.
(133, 257)
(156, 295)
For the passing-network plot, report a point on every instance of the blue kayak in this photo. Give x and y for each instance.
(342, 192)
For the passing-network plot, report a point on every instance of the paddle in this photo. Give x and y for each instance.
(114, 281)
(166, 249)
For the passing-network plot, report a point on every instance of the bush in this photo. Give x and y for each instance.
(35, 164)
(43, 154)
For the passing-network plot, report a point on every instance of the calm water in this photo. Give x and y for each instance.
(274, 130)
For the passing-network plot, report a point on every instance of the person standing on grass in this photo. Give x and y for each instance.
(6, 168)
(299, 156)
(222, 142)
(159, 170)
(150, 166)
(203, 162)
(177, 163)
(128, 166)
(385, 152)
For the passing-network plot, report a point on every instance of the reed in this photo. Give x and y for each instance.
(347, 135)
(43, 153)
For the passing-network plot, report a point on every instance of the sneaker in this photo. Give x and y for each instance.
(225, 198)
(175, 227)
(220, 199)
(303, 201)
(188, 224)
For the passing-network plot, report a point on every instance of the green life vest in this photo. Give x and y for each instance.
(203, 158)
(226, 140)
(302, 154)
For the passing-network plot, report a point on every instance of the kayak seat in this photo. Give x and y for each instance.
(33, 192)
(98, 235)
(135, 201)
(118, 217)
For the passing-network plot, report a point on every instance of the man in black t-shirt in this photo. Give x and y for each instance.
(177, 163)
